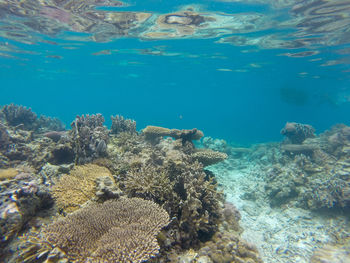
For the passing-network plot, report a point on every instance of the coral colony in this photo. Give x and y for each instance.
(93, 194)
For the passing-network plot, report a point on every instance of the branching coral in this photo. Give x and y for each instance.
(149, 182)
(119, 124)
(89, 138)
(73, 190)
(18, 115)
(167, 175)
(115, 231)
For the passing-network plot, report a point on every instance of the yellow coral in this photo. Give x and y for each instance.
(6, 174)
(73, 190)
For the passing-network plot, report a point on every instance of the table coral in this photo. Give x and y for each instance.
(209, 157)
(123, 230)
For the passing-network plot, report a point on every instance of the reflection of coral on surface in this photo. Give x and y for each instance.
(115, 231)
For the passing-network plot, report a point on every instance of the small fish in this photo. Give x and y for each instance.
(224, 69)
(54, 56)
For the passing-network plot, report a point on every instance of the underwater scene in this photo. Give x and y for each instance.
(215, 131)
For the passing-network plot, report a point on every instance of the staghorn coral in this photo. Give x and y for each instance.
(89, 138)
(149, 181)
(123, 230)
(119, 124)
(73, 190)
(296, 133)
(209, 157)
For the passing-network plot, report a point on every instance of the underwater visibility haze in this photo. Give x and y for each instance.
(217, 128)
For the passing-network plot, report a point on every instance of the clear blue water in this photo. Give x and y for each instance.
(243, 91)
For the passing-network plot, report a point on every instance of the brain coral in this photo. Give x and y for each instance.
(123, 230)
(78, 187)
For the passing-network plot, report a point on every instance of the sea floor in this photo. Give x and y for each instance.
(283, 234)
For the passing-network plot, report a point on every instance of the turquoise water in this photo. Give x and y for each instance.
(240, 73)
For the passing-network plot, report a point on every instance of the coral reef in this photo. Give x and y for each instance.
(46, 124)
(89, 138)
(21, 197)
(123, 230)
(18, 115)
(75, 189)
(119, 124)
(296, 133)
(89, 164)
(314, 175)
(25, 141)
(154, 132)
(166, 174)
(306, 149)
(4, 137)
(209, 157)
(226, 244)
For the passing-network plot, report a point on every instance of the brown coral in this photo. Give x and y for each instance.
(115, 231)
(209, 157)
(154, 132)
(7, 174)
(73, 190)
(149, 182)
(296, 133)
